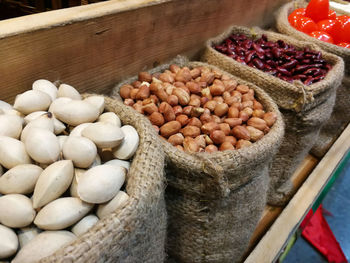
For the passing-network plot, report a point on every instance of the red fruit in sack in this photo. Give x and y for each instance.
(342, 29)
(323, 36)
(331, 14)
(344, 44)
(327, 25)
(306, 25)
(293, 17)
(317, 10)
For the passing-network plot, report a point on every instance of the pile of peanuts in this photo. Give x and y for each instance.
(199, 109)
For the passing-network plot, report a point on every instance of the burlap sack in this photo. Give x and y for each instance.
(304, 108)
(214, 201)
(341, 115)
(136, 232)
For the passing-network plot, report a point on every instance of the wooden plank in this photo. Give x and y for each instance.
(92, 47)
(270, 245)
(271, 213)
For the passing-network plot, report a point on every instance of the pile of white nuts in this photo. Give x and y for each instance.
(52, 180)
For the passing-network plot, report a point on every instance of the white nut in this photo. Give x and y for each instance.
(61, 140)
(44, 121)
(117, 202)
(122, 163)
(58, 126)
(53, 182)
(76, 112)
(4, 105)
(16, 210)
(65, 90)
(10, 125)
(74, 186)
(129, 145)
(12, 152)
(97, 101)
(43, 245)
(46, 86)
(82, 151)
(32, 100)
(20, 179)
(26, 234)
(62, 213)
(9, 242)
(84, 225)
(110, 117)
(42, 145)
(101, 183)
(76, 131)
(104, 135)
(59, 103)
(32, 116)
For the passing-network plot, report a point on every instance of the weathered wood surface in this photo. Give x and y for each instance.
(94, 46)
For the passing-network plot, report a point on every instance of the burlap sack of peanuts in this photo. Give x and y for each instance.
(341, 115)
(214, 201)
(137, 231)
(304, 108)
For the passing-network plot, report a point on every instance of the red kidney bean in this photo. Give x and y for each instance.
(276, 58)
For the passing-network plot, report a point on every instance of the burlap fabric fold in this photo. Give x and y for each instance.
(137, 231)
(214, 201)
(341, 115)
(304, 108)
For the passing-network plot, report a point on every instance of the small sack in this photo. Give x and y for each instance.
(137, 231)
(341, 115)
(304, 108)
(214, 201)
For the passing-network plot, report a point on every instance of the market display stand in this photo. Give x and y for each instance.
(93, 47)
(309, 196)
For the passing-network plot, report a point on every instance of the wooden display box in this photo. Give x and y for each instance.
(93, 47)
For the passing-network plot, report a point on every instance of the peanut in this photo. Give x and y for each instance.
(156, 118)
(182, 95)
(225, 128)
(172, 100)
(190, 131)
(183, 119)
(257, 105)
(200, 140)
(195, 122)
(205, 118)
(195, 73)
(156, 128)
(233, 112)
(207, 77)
(150, 108)
(125, 91)
(154, 87)
(138, 107)
(195, 102)
(180, 147)
(258, 113)
(210, 105)
(187, 110)
(221, 109)
(133, 93)
(247, 104)
(190, 145)
(217, 136)
(226, 146)
(196, 111)
(145, 76)
(177, 110)
(129, 102)
(231, 140)
(217, 90)
(136, 84)
(165, 77)
(233, 121)
(255, 134)
(270, 118)
(174, 68)
(207, 128)
(178, 84)
(257, 123)
(170, 128)
(193, 87)
(176, 139)
(203, 100)
(242, 88)
(211, 148)
(241, 132)
(162, 95)
(243, 115)
(242, 144)
(183, 75)
(230, 84)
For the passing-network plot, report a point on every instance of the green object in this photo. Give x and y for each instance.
(290, 244)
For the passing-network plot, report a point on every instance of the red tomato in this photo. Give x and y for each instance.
(327, 25)
(344, 44)
(306, 25)
(317, 10)
(323, 36)
(331, 14)
(293, 17)
(342, 29)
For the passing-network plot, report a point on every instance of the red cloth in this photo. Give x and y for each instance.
(319, 234)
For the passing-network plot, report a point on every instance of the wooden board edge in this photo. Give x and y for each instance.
(61, 17)
(273, 241)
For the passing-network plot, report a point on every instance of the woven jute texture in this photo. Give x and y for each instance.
(304, 108)
(214, 201)
(137, 231)
(341, 115)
